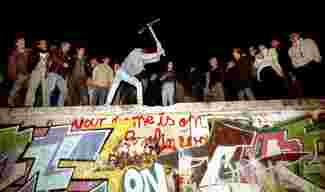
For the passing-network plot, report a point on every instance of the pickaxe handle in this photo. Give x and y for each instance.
(155, 37)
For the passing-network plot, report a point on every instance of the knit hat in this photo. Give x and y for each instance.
(275, 43)
(294, 32)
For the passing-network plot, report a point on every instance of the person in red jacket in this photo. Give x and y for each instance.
(18, 68)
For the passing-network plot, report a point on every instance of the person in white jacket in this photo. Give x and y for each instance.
(133, 65)
(269, 73)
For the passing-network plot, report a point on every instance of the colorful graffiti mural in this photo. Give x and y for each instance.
(166, 151)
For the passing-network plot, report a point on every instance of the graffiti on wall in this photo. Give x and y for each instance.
(164, 152)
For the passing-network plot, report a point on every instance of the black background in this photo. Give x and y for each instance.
(188, 38)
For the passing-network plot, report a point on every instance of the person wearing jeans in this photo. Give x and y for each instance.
(168, 85)
(243, 84)
(55, 76)
(55, 80)
(18, 69)
(100, 94)
(101, 81)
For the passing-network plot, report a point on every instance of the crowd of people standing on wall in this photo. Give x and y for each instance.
(260, 71)
(45, 75)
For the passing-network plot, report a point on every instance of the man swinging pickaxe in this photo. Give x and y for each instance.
(149, 25)
(134, 64)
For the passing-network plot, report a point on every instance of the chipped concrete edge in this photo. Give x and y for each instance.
(63, 115)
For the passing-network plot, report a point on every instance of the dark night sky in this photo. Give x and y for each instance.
(187, 38)
(175, 32)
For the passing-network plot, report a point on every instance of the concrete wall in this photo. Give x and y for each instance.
(323, 157)
(77, 157)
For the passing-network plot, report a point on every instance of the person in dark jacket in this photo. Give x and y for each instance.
(79, 92)
(214, 90)
(56, 73)
(18, 69)
(197, 82)
(39, 68)
(242, 75)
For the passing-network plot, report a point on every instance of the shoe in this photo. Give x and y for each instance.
(286, 102)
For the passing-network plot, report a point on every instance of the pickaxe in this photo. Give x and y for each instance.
(149, 25)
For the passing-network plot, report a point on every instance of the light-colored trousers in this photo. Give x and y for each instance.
(54, 80)
(37, 78)
(120, 76)
(168, 93)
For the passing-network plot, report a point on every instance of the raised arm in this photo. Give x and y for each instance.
(151, 57)
(275, 62)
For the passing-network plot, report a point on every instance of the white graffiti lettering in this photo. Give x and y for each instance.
(132, 183)
(144, 181)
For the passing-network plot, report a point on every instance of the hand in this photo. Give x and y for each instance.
(164, 77)
(293, 77)
(153, 77)
(88, 82)
(65, 65)
(50, 63)
(161, 51)
(83, 83)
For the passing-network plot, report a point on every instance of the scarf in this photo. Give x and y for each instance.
(274, 56)
(82, 60)
(301, 48)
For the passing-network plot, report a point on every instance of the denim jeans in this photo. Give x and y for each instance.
(54, 80)
(100, 95)
(18, 84)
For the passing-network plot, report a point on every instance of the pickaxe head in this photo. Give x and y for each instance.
(147, 25)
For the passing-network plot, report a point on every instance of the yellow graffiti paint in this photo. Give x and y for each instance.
(87, 170)
(121, 125)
